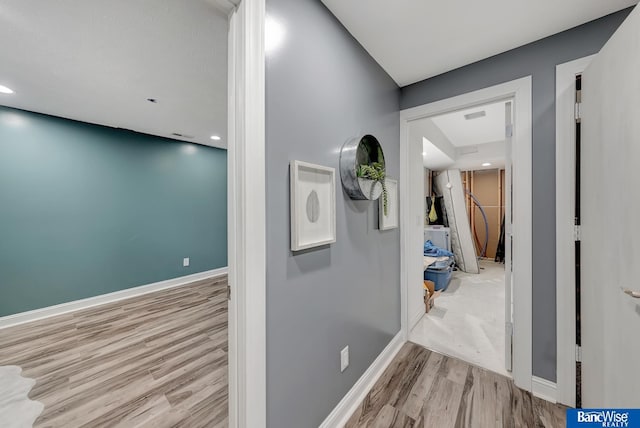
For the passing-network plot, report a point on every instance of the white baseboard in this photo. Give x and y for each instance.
(543, 389)
(63, 308)
(350, 402)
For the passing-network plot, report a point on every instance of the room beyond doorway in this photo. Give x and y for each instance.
(467, 320)
(467, 188)
(413, 228)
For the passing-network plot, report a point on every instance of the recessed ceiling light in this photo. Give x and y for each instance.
(486, 164)
(215, 138)
(5, 90)
(475, 115)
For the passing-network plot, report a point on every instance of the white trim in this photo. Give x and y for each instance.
(247, 217)
(103, 299)
(508, 233)
(232, 94)
(350, 402)
(543, 389)
(520, 91)
(415, 318)
(565, 214)
(406, 319)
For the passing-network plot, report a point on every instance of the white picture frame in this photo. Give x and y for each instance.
(313, 205)
(391, 220)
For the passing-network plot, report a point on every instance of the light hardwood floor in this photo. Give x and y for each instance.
(158, 360)
(421, 388)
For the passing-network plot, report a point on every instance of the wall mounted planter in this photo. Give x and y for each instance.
(356, 152)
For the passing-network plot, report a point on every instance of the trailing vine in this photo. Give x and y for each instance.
(375, 172)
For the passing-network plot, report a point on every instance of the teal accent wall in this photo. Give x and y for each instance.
(87, 210)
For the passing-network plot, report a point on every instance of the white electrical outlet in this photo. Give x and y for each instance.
(185, 262)
(344, 359)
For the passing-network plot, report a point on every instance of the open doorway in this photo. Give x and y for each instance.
(465, 154)
(119, 167)
(517, 329)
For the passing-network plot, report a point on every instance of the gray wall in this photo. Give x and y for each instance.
(322, 89)
(87, 210)
(538, 59)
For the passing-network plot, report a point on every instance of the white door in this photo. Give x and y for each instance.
(610, 243)
(508, 238)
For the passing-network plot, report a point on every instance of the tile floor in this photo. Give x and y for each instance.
(467, 321)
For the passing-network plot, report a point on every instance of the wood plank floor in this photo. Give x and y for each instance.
(421, 388)
(158, 360)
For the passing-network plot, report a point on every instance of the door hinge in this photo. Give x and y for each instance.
(577, 233)
(509, 329)
(509, 131)
(578, 111)
(578, 354)
(228, 292)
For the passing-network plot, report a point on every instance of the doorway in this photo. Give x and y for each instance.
(567, 236)
(466, 310)
(597, 307)
(517, 340)
(171, 122)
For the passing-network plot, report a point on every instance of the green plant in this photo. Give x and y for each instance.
(375, 172)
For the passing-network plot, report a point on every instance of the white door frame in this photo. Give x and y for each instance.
(247, 216)
(520, 91)
(565, 213)
(508, 233)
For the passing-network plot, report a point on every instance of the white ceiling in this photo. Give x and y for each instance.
(462, 132)
(452, 141)
(434, 158)
(491, 153)
(98, 62)
(414, 40)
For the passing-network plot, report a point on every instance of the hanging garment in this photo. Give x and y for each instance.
(440, 211)
(433, 216)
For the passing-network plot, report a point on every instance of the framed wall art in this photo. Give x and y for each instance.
(313, 205)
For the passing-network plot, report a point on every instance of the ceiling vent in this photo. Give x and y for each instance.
(475, 115)
(467, 150)
(176, 134)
